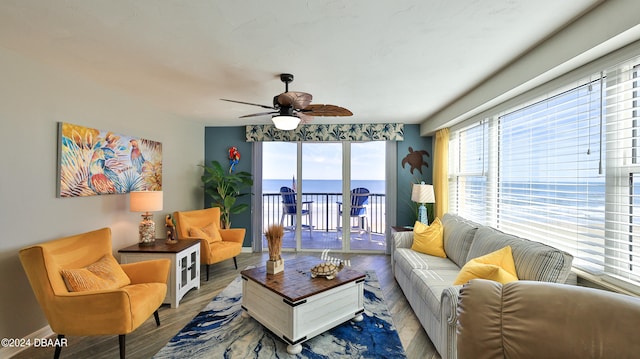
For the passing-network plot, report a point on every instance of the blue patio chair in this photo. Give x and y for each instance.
(359, 205)
(289, 207)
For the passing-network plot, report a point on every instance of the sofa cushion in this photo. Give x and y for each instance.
(497, 266)
(408, 260)
(428, 285)
(428, 239)
(458, 235)
(533, 260)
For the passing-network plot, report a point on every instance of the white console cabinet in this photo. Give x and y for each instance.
(184, 274)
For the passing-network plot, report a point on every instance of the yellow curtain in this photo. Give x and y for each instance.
(441, 172)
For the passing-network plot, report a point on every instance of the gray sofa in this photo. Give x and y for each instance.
(497, 321)
(427, 281)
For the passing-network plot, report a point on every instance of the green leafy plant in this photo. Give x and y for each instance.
(225, 187)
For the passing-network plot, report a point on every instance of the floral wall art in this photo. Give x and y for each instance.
(94, 162)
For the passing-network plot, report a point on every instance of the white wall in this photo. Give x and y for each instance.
(33, 99)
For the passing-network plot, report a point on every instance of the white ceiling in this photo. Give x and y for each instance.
(387, 61)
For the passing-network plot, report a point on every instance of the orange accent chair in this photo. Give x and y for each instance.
(87, 311)
(217, 244)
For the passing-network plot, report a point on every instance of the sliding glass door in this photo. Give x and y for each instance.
(367, 191)
(327, 195)
(279, 173)
(321, 189)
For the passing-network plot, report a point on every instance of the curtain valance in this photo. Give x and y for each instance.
(326, 132)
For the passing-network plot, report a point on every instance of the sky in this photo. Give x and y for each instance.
(323, 160)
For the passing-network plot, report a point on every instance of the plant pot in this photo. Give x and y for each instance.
(276, 266)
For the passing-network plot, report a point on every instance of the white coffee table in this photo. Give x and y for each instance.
(295, 306)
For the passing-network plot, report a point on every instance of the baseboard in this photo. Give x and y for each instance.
(8, 352)
(247, 250)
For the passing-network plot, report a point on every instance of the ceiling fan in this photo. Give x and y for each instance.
(290, 107)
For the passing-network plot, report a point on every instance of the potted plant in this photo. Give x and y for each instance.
(224, 187)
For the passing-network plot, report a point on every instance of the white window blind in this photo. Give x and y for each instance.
(550, 187)
(622, 262)
(564, 170)
(468, 184)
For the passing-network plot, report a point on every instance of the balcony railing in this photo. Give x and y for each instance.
(325, 211)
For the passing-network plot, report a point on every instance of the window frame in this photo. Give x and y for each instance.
(621, 191)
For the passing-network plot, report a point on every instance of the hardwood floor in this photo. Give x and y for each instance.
(148, 339)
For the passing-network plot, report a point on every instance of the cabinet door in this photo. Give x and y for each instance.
(184, 271)
(193, 266)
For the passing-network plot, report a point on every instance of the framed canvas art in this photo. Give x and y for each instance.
(95, 162)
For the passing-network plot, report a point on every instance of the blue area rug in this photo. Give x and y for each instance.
(221, 331)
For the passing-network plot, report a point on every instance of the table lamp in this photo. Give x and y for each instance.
(422, 193)
(146, 201)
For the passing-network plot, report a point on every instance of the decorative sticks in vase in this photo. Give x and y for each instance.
(274, 235)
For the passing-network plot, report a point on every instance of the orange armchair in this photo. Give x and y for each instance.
(84, 310)
(216, 244)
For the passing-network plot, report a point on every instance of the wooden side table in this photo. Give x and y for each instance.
(402, 228)
(185, 264)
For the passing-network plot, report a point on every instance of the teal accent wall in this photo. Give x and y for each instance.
(217, 141)
(405, 208)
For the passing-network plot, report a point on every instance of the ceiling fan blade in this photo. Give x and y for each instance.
(304, 118)
(326, 110)
(249, 103)
(259, 114)
(297, 100)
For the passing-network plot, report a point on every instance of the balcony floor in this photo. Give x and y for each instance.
(318, 240)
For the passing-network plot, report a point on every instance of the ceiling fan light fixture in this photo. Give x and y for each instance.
(291, 103)
(286, 123)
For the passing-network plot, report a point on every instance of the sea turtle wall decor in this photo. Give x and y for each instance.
(327, 270)
(415, 159)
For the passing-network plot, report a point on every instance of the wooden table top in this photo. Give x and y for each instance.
(402, 228)
(160, 246)
(295, 282)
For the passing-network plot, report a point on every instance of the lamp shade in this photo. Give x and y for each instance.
(145, 201)
(285, 122)
(422, 193)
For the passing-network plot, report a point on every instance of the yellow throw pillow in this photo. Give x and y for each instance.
(213, 232)
(106, 273)
(199, 233)
(209, 233)
(429, 239)
(497, 266)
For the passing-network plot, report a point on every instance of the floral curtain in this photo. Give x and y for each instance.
(325, 132)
